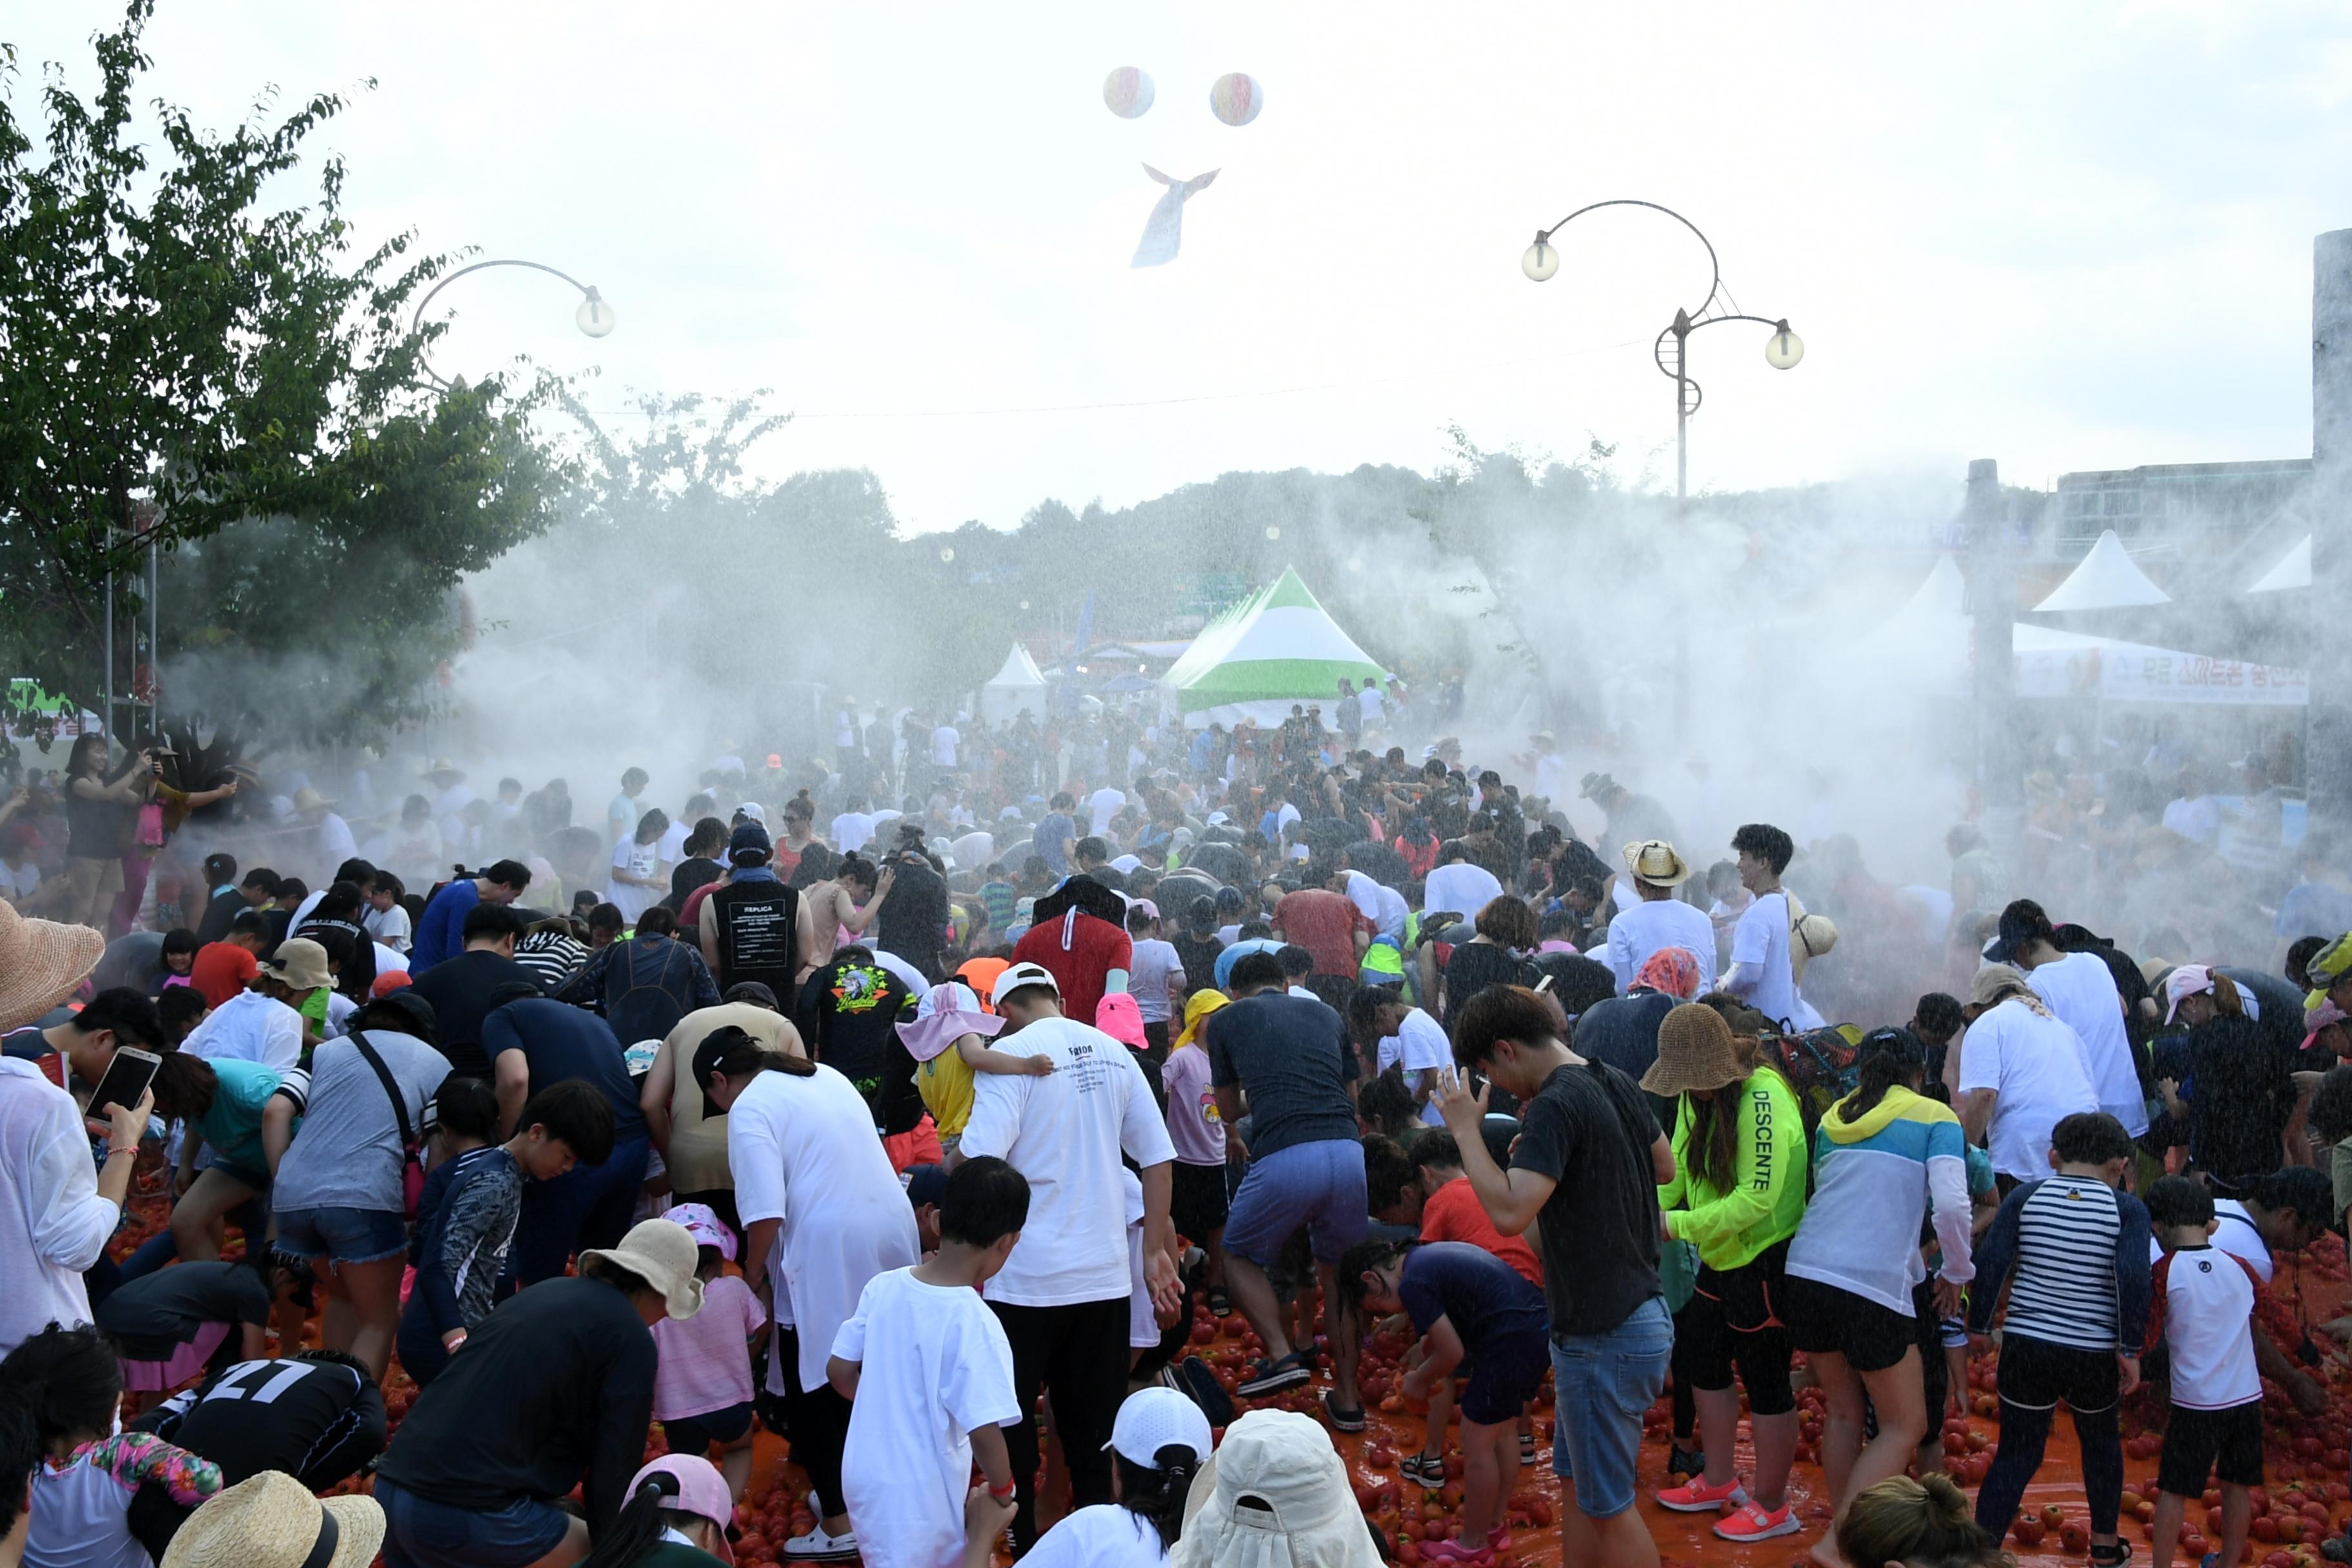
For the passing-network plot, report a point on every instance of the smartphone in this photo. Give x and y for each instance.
(124, 1081)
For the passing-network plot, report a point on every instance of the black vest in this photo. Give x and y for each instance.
(759, 935)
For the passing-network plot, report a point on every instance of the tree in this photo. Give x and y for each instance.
(181, 363)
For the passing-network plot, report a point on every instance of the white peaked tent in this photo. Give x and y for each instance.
(1016, 685)
(2292, 571)
(1276, 647)
(2107, 580)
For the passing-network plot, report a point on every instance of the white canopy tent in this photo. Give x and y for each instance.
(2106, 579)
(1018, 685)
(2292, 571)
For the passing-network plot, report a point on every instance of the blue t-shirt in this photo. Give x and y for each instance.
(560, 1042)
(2314, 909)
(441, 930)
(1484, 1298)
(1235, 952)
(1291, 1055)
(1051, 840)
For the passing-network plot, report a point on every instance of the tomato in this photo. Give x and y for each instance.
(2052, 1516)
(2027, 1533)
(2265, 1527)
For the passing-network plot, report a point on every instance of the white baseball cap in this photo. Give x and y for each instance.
(1155, 1418)
(1018, 975)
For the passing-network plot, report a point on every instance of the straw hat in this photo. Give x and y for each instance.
(1653, 860)
(299, 964)
(1301, 1512)
(41, 961)
(271, 1520)
(1695, 1052)
(660, 1253)
(308, 799)
(445, 772)
(1809, 938)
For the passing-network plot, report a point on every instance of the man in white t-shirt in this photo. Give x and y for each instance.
(1659, 918)
(2022, 1071)
(621, 815)
(1105, 804)
(1064, 1294)
(1760, 975)
(1371, 706)
(1408, 1038)
(1380, 904)
(2079, 990)
(853, 829)
(1459, 885)
(944, 742)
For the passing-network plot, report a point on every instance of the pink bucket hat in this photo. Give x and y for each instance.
(951, 1011)
(701, 1222)
(1117, 1016)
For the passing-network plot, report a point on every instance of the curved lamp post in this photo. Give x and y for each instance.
(594, 316)
(1782, 350)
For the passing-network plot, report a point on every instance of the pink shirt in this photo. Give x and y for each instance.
(705, 1360)
(1193, 1125)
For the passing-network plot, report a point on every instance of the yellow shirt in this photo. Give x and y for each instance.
(945, 1084)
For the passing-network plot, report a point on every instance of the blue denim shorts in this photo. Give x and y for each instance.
(421, 1533)
(1605, 1384)
(1319, 1185)
(341, 1234)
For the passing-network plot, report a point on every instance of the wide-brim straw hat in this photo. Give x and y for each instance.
(661, 1253)
(41, 961)
(272, 1520)
(1655, 861)
(444, 771)
(1695, 1051)
(1809, 938)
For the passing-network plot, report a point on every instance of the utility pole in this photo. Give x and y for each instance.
(2328, 741)
(1992, 601)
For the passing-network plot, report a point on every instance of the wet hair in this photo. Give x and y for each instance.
(985, 1201)
(636, 778)
(607, 917)
(1364, 1009)
(1090, 849)
(1386, 1172)
(2303, 1191)
(1926, 1523)
(658, 921)
(131, 1013)
(385, 882)
(1156, 1492)
(1368, 1256)
(20, 1456)
(67, 1379)
(1578, 984)
(179, 1009)
(1500, 1013)
(219, 869)
(1941, 1014)
(2330, 1115)
(292, 887)
(1434, 1147)
(1139, 918)
(2179, 1201)
(740, 1052)
(576, 1115)
(856, 868)
(710, 835)
(263, 877)
(1296, 961)
(816, 863)
(652, 1506)
(2027, 913)
(1386, 1101)
(1257, 971)
(1766, 843)
(2299, 956)
(178, 940)
(184, 1086)
(492, 921)
(1509, 922)
(1885, 1059)
(652, 825)
(341, 901)
(2090, 1138)
(469, 1108)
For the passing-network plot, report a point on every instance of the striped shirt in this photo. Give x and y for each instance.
(2075, 1251)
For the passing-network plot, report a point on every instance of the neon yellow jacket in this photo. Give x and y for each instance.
(1767, 1196)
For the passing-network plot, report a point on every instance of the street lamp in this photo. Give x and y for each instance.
(594, 316)
(1782, 350)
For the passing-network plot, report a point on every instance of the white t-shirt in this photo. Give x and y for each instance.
(672, 841)
(2208, 1304)
(1369, 704)
(934, 1367)
(390, 926)
(1103, 1536)
(1635, 933)
(2081, 991)
(640, 859)
(2237, 1235)
(2037, 1066)
(1462, 887)
(1760, 940)
(852, 830)
(1148, 972)
(1418, 1046)
(1105, 804)
(944, 741)
(1142, 1324)
(389, 960)
(1065, 1132)
(249, 1027)
(620, 816)
(1382, 904)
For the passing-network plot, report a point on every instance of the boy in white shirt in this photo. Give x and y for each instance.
(929, 1374)
(2203, 1309)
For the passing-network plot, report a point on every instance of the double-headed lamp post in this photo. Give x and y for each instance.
(1782, 350)
(594, 316)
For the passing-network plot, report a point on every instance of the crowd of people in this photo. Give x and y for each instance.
(885, 1131)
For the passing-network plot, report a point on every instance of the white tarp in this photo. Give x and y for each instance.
(2292, 571)
(2107, 580)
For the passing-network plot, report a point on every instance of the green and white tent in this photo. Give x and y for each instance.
(1256, 658)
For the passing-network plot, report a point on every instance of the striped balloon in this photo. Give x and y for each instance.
(1236, 98)
(1126, 92)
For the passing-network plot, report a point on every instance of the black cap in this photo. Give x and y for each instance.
(416, 1014)
(2015, 929)
(750, 838)
(715, 1044)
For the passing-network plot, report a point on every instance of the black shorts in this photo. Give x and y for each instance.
(1934, 1371)
(2035, 1374)
(1506, 1374)
(695, 1433)
(2194, 1440)
(1826, 1319)
(1197, 1204)
(1734, 1318)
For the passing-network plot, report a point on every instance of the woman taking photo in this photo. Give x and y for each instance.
(1737, 1195)
(821, 1206)
(100, 806)
(1886, 1156)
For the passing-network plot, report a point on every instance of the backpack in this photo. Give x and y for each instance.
(1819, 1065)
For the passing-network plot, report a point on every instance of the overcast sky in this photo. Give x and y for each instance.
(2064, 237)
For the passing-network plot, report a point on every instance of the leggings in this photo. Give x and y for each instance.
(819, 1419)
(2034, 1375)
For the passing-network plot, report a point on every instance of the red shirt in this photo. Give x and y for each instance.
(222, 969)
(1453, 1213)
(1097, 947)
(1325, 923)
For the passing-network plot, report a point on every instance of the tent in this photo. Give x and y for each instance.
(2105, 579)
(1016, 685)
(1276, 647)
(2292, 571)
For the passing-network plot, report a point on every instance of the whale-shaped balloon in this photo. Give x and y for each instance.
(1163, 231)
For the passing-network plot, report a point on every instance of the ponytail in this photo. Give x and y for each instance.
(741, 1054)
(1157, 1492)
(1886, 1059)
(637, 1528)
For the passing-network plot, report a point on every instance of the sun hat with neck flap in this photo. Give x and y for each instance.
(41, 961)
(1695, 1051)
(1277, 1495)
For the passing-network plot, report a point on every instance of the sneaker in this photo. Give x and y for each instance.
(1497, 1540)
(1426, 1471)
(1193, 1378)
(1527, 1447)
(816, 1546)
(1342, 1420)
(1448, 1550)
(1687, 1463)
(1753, 1522)
(1695, 1496)
(1273, 1376)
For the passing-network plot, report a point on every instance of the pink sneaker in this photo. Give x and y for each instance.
(1752, 1521)
(1449, 1549)
(1695, 1496)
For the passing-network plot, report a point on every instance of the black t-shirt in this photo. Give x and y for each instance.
(220, 914)
(1623, 1032)
(459, 988)
(1197, 957)
(1474, 966)
(1483, 1297)
(694, 871)
(1589, 1130)
(2239, 1097)
(1291, 1057)
(913, 922)
(1222, 861)
(560, 1041)
(848, 1011)
(288, 1415)
(156, 1313)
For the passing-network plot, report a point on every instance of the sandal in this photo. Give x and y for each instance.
(1273, 1376)
(1220, 1304)
(1342, 1420)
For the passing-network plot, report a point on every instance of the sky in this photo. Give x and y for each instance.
(2064, 237)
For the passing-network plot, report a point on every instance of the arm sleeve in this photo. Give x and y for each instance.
(1948, 1191)
(753, 1157)
(1993, 1257)
(850, 1340)
(625, 1408)
(2157, 1276)
(1770, 1156)
(997, 1101)
(68, 1222)
(137, 1458)
(473, 1215)
(498, 1035)
(706, 990)
(2132, 1287)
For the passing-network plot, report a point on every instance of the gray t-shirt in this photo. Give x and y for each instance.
(347, 1153)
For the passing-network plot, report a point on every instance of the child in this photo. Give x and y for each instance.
(386, 920)
(1465, 1302)
(2205, 1301)
(1450, 1211)
(1198, 1201)
(952, 1015)
(473, 1197)
(929, 1372)
(702, 1382)
(2076, 1245)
